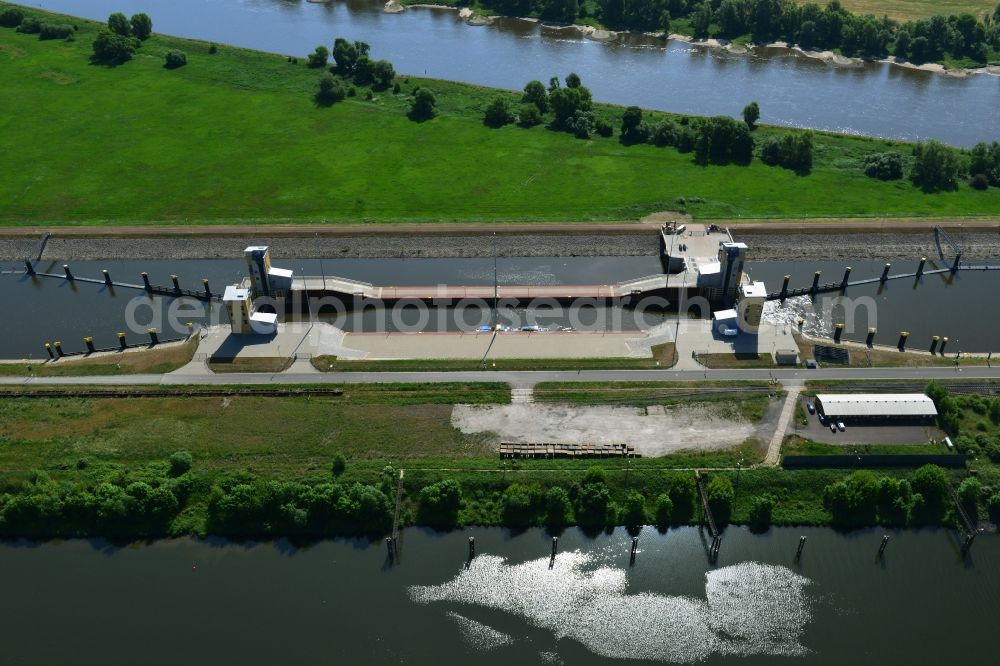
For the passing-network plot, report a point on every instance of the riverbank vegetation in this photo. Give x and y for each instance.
(363, 159)
(259, 465)
(962, 39)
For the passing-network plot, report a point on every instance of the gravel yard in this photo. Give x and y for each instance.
(653, 431)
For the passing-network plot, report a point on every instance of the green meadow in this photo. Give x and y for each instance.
(236, 136)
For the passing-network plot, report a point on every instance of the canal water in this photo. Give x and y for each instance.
(341, 602)
(874, 99)
(42, 310)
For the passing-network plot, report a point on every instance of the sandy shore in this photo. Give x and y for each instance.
(597, 34)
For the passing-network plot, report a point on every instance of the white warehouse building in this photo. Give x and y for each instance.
(876, 406)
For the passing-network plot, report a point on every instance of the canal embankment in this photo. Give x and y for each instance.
(777, 243)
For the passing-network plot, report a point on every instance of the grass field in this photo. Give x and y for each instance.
(189, 145)
(905, 10)
(798, 446)
(267, 364)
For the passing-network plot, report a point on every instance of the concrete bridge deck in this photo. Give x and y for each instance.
(315, 284)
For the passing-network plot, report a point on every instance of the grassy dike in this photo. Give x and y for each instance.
(236, 136)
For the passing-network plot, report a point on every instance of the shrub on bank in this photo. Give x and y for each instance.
(884, 166)
(424, 105)
(180, 462)
(55, 31)
(330, 89)
(318, 58)
(175, 59)
(11, 17)
(30, 26)
(529, 116)
(112, 48)
(498, 113)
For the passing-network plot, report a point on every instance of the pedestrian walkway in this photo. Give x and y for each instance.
(787, 411)
(520, 395)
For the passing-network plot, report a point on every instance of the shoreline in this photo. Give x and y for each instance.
(603, 34)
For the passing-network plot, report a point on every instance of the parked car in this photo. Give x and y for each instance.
(840, 426)
(810, 407)
(833, 427)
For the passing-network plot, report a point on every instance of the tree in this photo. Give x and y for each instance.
(558, 508)
(529, 116)
(760, 512)
(142, 26)
(633, 128)
(603, 127)
(931, 482)
(339, 464)
(884, 166)
(112, 48)
(593, 505)
(175, 59)
(345, 55)
(382, 73)
(595, 474)
(120, 25)
(439, 504)
(424, 105)
(994, 411)
(722, 139)
(935, 167)
(573, 80)
(534, 93)
(751, 114)
(985, 158)
(498, 113)
(701, 19)
(719, 491)
(331, 89)
(635, 510)
(902, 48)
(664, 511)
(318, 58)
(565, 102)
(518, 506)
(969, 492)
(808, 34)
(853, 501)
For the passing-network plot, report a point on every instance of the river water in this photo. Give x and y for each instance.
(341, 602)
(42, 310)
(874, 99)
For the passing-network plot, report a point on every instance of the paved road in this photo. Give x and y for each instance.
(518, 379)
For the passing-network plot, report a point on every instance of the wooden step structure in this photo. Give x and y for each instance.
(713, 550)
(512, 450)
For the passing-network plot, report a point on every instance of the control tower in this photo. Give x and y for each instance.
(265, 279)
